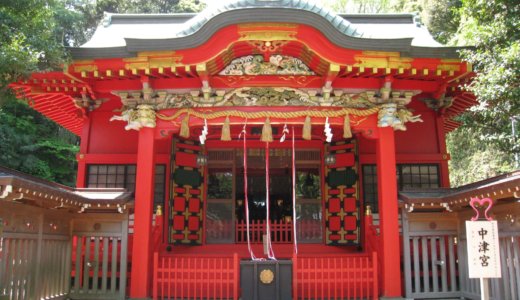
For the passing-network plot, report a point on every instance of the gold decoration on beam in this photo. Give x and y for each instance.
(382, 60)
(267, 32)
(150, 62)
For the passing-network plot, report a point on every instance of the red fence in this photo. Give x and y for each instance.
(335, 277)
(281, 231)
(195, 277)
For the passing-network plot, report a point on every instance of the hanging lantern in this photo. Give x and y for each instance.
(330, 159)
(202, 160)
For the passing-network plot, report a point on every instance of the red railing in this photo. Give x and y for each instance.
(371, 235)
(195, 277)
(372, 240)
(157, 231)
(281, 231)
(335, 277)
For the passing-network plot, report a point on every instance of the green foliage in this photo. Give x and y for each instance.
(484, 145)
(31, 143)
(33, 34)
(441, 18)
(473, 158)
(493, 28)
(360, 6)
(27, 39)
(81, 17)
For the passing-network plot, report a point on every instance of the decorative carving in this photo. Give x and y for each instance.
(267, 46)
(269, 97)
(147, 96)
(406, 116)
(443, 102)
(139, 106)
(137, 118)
(245, 96)
(390, 116)
(277, 65)
(85, 102)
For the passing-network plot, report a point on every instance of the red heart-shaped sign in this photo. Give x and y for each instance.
(479, 204)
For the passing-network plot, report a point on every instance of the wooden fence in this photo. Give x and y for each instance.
(435, 257)
(52, 254)
(335, 277)
(34, 253)
(433, 266)
(195, 277)
(33, 266)
(507, 287)
(99, 256)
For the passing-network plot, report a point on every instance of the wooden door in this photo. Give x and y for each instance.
(186, 194)
(342, 204)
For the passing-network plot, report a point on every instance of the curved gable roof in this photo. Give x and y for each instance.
(123, 35)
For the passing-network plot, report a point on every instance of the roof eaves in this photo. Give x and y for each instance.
(91, 53)
(404, 18)
(177, 18)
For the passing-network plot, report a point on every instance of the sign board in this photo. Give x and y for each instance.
(483, 251)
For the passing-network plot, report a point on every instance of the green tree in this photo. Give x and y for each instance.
(30, 42)
(493, 28)
(33, 34)
(485, 137)
(27, 40)
(473, 159)
(79, 18)
(31, 143)
(360, 6)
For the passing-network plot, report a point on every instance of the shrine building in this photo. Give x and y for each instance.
(255, 150)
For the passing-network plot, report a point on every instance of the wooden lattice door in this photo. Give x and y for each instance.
(186, 194)
(342, 204)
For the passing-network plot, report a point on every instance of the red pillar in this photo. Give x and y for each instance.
(80, 157)
(142, 246)
(388, 210)
(441, 138)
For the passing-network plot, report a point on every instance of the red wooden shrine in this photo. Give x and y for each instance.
(141, 90)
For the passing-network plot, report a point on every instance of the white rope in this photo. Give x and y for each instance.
(270, 252)
(253, 257)
(294, 195)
